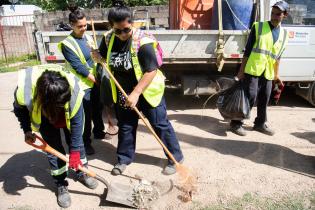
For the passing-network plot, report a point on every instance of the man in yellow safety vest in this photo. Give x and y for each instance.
(260, 65)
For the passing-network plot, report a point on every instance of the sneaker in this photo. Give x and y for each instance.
(238, 130)
(264, 129)
(87, 181)
(63, 196)
(171, 168)
(118, 169)
(89, 150)
(99, 135)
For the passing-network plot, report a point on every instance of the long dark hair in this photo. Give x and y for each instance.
(52, 93)
(119, 12)
(75, 14)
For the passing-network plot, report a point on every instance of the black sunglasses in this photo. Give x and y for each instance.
(118, 31)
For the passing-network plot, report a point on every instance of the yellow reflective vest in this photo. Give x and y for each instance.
(154, 92)
(71, 43)
(26, 89)
(265, 53)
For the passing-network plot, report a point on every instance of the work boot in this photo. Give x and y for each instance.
(89, 150)
(171, 168)
(63, 196)
(87, 181)
(118, 169)
(238, 130)
(264, 129)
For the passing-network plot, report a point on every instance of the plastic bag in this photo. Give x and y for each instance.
(233, 103)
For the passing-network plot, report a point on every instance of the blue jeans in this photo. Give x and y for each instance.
(128, 123)
(258, 90)
(92, 112)
(52, 136)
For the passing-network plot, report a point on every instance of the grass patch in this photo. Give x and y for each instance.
(254, 202)
(17, 63)
(22, 58)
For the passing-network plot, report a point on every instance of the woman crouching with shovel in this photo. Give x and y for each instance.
(48, 99)
(134, 56)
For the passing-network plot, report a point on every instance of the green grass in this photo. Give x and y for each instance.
(4, 69)
(14, 59)
(21, 61)
(254, 202)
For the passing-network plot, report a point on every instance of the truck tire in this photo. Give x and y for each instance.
(308, 94)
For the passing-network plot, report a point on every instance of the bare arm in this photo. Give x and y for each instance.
(145, 81)
(140, 88)
(276, 68)
(240, 74)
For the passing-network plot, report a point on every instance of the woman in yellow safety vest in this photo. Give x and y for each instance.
(48, 99)
(134, 57)
(76, 50)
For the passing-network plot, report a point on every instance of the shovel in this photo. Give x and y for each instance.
(116, 193)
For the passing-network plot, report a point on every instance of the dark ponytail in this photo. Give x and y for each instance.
(52, 93)
(119, 12)
(75, 14)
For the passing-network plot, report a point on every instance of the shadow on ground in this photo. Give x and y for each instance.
(34, 164)
(309, 136)
(263, 153)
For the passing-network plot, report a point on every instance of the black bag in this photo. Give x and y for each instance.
(233, 103)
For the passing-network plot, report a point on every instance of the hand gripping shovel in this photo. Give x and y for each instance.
(116, 193)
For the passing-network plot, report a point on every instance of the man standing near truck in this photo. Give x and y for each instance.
(260, 65)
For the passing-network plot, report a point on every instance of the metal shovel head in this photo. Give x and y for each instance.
(119, 193)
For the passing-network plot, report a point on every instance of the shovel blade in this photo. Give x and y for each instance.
(119, 193)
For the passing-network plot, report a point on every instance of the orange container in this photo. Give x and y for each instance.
(190, 14)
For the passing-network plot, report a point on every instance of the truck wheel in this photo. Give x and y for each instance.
(307, 93)
(312, 94)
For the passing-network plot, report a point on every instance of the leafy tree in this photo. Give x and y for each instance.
(52, 5)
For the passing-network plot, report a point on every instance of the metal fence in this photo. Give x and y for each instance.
(16, 36)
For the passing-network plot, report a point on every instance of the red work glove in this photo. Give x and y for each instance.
(277, 89)
(74, 160)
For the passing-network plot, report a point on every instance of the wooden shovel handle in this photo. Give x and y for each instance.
(45, 147)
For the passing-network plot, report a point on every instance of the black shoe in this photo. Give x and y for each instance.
(89, 150)
(63, 196)
(171, 168)
(118, 169)
(99, 135)
(238, 130)
(87, 181)
(264, 129)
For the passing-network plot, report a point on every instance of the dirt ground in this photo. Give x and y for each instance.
(226, 165)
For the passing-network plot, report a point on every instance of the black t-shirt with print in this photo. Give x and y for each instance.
(121, 62)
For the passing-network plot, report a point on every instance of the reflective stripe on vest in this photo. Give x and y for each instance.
(71, 43)
(265, 53)
(59, 171)
(64, 169)
(26, 89)
(154, 92)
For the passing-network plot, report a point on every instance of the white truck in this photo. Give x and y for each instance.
(193, 59)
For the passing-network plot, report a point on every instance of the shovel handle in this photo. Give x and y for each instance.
(42, 146)
(45, 147)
